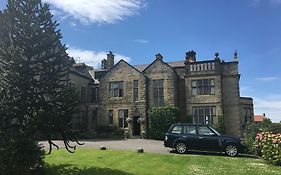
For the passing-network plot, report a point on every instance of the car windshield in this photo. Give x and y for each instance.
(214, 130)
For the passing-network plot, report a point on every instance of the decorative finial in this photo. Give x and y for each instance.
(217, 55)
(235, 55)
(159, 56)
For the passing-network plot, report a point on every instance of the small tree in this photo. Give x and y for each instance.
(160, 119)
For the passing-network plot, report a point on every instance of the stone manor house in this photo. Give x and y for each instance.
(121, 94)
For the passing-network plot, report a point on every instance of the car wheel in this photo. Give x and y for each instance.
(231, 150)
(180, 147)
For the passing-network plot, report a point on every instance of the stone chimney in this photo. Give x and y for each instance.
(190, 56)
(110, 60)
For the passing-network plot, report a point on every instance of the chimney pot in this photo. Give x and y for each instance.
(190, 56)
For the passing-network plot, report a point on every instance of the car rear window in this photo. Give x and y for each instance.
(177, 130)
(189, 130)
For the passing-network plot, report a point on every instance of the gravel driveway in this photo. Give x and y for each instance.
(152, 146)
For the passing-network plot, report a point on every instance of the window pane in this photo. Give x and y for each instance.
(136, 91)
(120, 93)
(120, 122)
(125, 123)
(205, 82)
(161, 96)
(121, 113)
(120, 85)
(212, 90)
(158, 92)
(177, 130)
(126, 113)
(193, 82)
(190, 130)
(194, 91)
(203, 130)
(161, 83)
(155, 83)
(195, 110)
(201, 119)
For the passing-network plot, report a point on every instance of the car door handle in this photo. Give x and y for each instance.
(200, 137)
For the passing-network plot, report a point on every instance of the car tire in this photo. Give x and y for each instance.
(231, 150)
(180, 147)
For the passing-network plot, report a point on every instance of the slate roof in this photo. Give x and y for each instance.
(174, 64)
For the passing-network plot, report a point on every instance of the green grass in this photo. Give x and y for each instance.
(109, 162)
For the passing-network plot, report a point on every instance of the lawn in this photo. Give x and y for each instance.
(109, 162)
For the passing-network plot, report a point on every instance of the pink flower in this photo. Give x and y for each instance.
(274, 141)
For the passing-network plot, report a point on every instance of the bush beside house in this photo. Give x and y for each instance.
(160, 119)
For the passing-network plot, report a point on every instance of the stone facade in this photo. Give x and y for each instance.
(202, 90)
(87, 90)
(136, 108)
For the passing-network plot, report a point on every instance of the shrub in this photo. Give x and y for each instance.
(268, 146)
(251, 131)
(220, 125)
(160, 119)
(105, 129)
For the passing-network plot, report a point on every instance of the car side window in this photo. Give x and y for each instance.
(189, 130)
(203, 130)
(177, 130)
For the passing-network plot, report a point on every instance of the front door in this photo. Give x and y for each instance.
(136, 126)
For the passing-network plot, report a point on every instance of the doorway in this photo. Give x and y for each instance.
(136, 126)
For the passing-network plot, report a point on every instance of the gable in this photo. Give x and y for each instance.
(122, 70)
(159, 67)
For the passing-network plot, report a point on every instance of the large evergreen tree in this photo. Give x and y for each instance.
(35, 96)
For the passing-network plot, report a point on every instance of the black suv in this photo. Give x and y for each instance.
(184, 136)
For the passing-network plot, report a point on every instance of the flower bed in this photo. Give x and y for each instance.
(268, 146)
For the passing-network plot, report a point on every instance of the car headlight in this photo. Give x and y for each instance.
(166, 137)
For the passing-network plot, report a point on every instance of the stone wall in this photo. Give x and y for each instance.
(204, 100)
(88, 106)
(231, 98)
(126, 73)
(160, 70)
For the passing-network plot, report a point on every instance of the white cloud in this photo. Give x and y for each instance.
(270, 106)
(92, 58)
(267, 78)
(141, 41)
(97, 11)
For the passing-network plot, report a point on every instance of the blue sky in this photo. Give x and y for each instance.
(136, 30)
